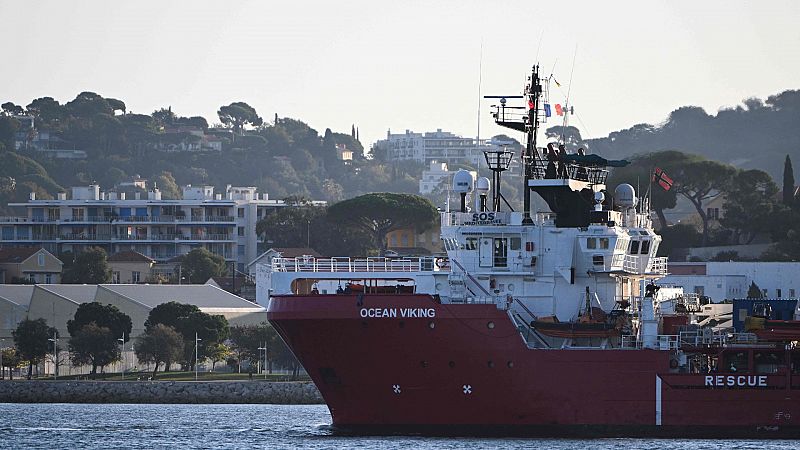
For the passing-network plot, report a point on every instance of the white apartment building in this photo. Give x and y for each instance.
(225, 224)
(436, 175)
(440, 146)
(729, 280)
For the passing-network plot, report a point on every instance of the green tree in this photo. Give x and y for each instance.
(88, 105)
(168, 187)
(160, 344)
(8, 128)
(788, 182)
(116, 105)
(702, 180)
(237, 115)
(218, 353)
(11, 360)
(9, 108)
(380, 213)
(247, 339)
(107, 316)
(94, 345)
(90, 267)
(307, 225)
(754, 291)
(749, 205)
(200, 264)
(47, 110)
(188, 320)
(31, 340)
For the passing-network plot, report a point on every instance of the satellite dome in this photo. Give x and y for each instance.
(462, 181)
(599, 197)
(482, 185)
(625, 195)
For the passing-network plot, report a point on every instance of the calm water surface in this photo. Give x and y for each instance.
(62, 426)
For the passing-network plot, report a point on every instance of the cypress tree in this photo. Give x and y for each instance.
(754, 291)
(788, 182)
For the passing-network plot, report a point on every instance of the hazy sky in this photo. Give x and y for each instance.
(400, 64)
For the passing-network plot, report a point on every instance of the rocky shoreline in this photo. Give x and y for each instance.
(284, 393)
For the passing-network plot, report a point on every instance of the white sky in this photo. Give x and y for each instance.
(400, 64)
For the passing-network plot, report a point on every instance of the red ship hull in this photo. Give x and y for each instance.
(465, 368)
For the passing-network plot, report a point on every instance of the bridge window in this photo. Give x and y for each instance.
(516, 243)
(591, 243)
(603, 243)
(645, 247)
(634, 250)
(472, 243)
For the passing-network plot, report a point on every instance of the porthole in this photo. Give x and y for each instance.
(490, 364)
(511, 287)
(431, 325)
(490, 325)
(363, 324)
(510, 364)
(452, 364)
(401, 324)
(423, 364)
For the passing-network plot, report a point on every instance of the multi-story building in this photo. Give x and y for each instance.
(436, 175)
(161, 229)
(438, 146)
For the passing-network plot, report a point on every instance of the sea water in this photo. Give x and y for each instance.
(68, 426)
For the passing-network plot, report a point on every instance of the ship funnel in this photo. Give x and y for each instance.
(482, 189)
(462, 183)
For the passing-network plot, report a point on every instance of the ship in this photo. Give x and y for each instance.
(535, 322)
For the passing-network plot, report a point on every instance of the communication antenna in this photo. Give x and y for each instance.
(566, 102)
(498, 162)
(527, 120)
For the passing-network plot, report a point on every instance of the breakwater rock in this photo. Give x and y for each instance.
(286, 393)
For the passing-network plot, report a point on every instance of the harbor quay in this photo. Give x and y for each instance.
(254, 392)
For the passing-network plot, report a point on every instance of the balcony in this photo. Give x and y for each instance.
(85, 237)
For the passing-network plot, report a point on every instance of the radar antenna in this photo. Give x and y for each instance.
(527, 120)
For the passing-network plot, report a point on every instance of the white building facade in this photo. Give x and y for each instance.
(728, 280)
(440, 146)
(224, 224)
(436, 175)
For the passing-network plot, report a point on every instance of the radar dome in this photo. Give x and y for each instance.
(625, 196)
(599, 197)
(482, 185)
(462, 181)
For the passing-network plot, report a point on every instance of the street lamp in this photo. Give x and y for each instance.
(123, 354)
(265, 358)
(196, 346)
(54, 340)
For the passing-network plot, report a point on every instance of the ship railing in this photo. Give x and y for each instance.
(707, 337)
(668, 341)
(635, 264)
(543, 169)
(630, 341)
(345, 264)
(658, 266)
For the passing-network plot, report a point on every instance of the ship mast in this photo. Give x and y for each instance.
(528, 123)
(533, 94)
